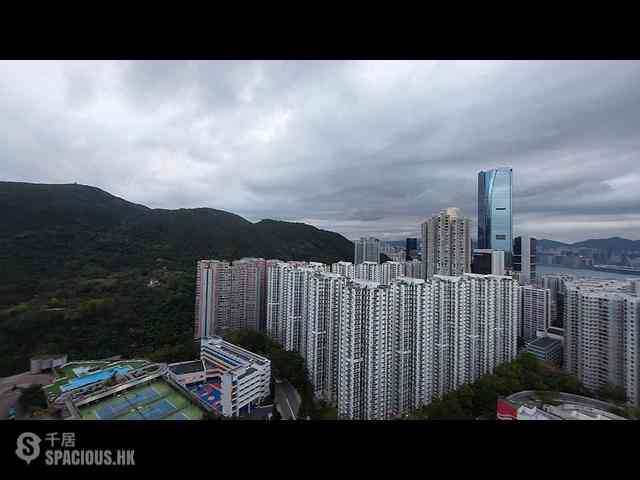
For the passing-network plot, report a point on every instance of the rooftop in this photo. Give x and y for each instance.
(544, 343)
(187, 367)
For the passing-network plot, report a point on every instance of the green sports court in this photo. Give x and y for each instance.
(153, 401)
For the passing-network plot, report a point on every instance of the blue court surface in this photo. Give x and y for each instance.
(210, 393)
(108, 412)
(143, 396)
(92, 378)
(158, 410)
(132, 415)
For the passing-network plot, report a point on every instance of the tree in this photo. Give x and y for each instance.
(32, 398)
(615, 393)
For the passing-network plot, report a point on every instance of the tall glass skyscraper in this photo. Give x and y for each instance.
(494, 211)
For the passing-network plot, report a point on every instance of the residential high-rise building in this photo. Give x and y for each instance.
(488, 262)
(524, 259)
(390, 271)
(379, 350)
(369, 271)
(411, 249)
(410, 374)
(324, 298)
(494, 211)
(446, 243)
(555, 284)
(230, 295)
(413, 269)
(364, 354)
(366, 249)
(535, 312)
(286, 305)
(602, 332)
(346, 269)
(475, 325)
(213, 297)
(248, 289)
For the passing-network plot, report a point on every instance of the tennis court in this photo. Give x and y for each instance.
(156, 401)
(132, 415)
(158, 410)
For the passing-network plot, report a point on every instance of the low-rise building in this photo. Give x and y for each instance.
(529, 405)
(186, 373)
(243, 376)
(547, 349)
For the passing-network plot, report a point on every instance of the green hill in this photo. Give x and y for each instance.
(75, 262)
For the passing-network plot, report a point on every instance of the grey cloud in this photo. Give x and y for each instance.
(356, 147)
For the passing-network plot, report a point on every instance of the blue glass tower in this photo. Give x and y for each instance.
(494, 211)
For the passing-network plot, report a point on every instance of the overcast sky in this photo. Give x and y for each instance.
(361, 148)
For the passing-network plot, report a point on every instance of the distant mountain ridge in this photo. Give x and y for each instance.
(613, 243)
(48, 230)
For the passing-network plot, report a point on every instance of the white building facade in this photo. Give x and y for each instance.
(446, 244)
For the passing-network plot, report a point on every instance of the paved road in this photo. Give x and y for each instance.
(287, 400)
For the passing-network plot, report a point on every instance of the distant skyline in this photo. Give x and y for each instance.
(361, 148)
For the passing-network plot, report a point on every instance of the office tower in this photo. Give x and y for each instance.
(535, 312)
(213, 292)
(475, 325)
(602, 328)
(488, 262)
(413, 269)
(411, 249)
(369, 271)
(524, 259)
(323, 298)
(367, 249)
(389, 271)
(364, 353)
(494, 211)
(446, 244)
(346, 269)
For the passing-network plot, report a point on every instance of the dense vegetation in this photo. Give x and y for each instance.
(75, 266)
(32, 398)
(526, 372)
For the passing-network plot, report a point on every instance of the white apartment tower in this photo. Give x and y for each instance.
(413, 269)
(248, 282)
(286, 304)
(369, 272)
(602, 332)
(389, 271)
(475, 326)
(535, 312)
(213, 295)
(346, 269)
(446, 244)
(324, 295)
(366, 249)
(364, 355)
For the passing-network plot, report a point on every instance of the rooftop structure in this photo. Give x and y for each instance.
(530, 405)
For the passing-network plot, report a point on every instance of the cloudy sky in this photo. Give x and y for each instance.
(356, 147)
